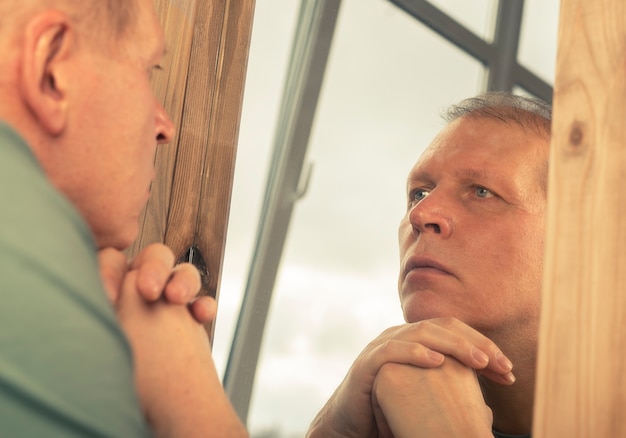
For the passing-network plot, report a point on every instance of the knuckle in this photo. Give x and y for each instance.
(417, 350)
(391, 375)
(386, 346)
(388, 369)
(462, 344)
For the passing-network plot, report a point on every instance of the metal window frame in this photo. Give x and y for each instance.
(312, 41)
(500, 56)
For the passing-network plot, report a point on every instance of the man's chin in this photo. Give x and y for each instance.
(417, 309)
(118, 239)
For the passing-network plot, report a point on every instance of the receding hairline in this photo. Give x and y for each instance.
(122, 15)
(106, 18)
(528, 112)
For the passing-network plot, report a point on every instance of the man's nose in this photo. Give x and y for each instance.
(433, 214)
(165, 129)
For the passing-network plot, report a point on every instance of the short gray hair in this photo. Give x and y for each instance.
(120, 15)
(528, 112)
(110, 19)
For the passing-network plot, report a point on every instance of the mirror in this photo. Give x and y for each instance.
(388, 78)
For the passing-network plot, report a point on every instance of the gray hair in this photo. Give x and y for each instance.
(528, 112)
(120, 15)
(110, 19)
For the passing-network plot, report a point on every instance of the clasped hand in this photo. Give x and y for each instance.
(395, 369)
(175, 376)
(445, 401)
(157, 278)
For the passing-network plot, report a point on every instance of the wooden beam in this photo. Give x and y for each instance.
(223, 128)
(178, 20)
(581, 388)
(202, 89)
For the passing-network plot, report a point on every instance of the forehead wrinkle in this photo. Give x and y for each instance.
(470, 173)
(463, 173)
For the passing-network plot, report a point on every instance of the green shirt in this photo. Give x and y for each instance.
(65, 365)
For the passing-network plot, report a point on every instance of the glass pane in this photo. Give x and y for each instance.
(538, 39)
(479, 16)
(522, 91)
(273, 27)
(388, 79)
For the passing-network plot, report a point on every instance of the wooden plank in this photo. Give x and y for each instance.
(581, 390)
(178, 19)
(202, 90)
(224, 125)
(195, 136)
(203, 178)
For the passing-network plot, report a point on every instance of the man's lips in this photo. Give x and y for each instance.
(426, 263)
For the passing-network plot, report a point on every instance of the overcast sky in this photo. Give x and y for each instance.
(387, 81)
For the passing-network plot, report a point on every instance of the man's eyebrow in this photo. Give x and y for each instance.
(472, 173)
(419, 176)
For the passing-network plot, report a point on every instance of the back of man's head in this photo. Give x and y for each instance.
(105, 19)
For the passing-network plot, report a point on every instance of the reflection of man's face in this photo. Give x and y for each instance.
(115, 127)
(471, 242)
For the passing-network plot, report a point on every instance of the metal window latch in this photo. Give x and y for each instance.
(194, 256)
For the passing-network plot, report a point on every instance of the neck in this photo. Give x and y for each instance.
(512, 406)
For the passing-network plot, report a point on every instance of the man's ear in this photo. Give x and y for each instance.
(47, 44)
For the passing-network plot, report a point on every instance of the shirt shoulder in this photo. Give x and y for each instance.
(65, 367)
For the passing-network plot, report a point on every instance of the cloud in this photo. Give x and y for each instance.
(319, 322)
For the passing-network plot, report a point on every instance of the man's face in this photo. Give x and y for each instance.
(106, 166)
(471, 241)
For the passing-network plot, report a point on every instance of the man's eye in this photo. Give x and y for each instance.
(482, 192)
(418, 194)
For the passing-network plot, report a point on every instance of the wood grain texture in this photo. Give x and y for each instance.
(224, 125)
(581, 388)
(202, 90)
(169, 84)
(231, 65)
(202, 182)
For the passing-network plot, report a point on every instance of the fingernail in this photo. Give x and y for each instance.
(153, 286)
(150, 288)
(504, 361)
(479, 355)
(509, 377)
(184, 293)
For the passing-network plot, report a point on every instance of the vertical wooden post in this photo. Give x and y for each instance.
(202, 90)
(581, 384)
(170, 84)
